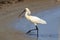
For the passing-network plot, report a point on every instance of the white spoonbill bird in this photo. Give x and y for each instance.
(35, 20)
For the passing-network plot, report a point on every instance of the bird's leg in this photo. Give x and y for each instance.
(33, 30)
(37, 30)
(30, 31)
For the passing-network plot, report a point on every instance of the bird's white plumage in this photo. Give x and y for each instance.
(33, 19)
(37, 20)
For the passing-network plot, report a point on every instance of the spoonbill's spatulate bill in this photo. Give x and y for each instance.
(35, 20)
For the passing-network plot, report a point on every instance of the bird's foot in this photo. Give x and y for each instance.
(28, 32)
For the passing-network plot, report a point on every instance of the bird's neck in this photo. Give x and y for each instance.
(27, 15)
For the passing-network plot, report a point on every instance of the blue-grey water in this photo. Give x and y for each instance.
(47, 31)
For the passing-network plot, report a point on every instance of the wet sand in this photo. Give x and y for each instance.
(14, 36)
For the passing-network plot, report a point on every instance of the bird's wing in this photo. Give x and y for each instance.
(37, 20)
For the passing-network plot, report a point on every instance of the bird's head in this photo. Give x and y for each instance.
(26, 10)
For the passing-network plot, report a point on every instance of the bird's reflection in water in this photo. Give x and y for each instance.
(34, 34)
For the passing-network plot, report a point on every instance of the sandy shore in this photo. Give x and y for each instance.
(34, 6)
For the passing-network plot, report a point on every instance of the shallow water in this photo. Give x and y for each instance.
(48, 31)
